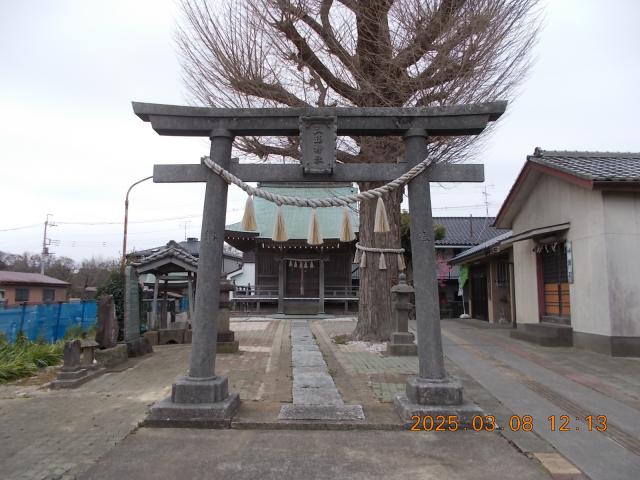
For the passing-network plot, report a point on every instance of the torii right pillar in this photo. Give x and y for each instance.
(432, 392)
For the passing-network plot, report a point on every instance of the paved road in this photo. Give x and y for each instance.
(541, 382)
(160, 454)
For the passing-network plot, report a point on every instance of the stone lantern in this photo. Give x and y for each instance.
(226, 337)
(401, 340)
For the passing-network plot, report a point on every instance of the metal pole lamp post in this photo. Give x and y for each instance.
(126, 219)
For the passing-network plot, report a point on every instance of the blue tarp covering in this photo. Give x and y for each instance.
(49, 321)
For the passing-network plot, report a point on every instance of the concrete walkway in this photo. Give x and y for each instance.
(543, 382)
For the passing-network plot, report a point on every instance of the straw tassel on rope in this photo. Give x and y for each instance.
(401, 264)
(315, 236)
(249, 222)
(382, 265)
(363, 260)
(381, 224)
(346, 229)
(280, 228)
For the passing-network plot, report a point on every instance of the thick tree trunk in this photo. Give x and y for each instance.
(374, 313)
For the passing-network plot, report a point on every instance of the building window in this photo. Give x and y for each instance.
(502, 274)
(48, 295)
(22, 294)
(555, 282)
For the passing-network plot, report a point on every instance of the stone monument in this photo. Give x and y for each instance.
(71, 374)
(107, 327)
(401, 340)
(108, 353)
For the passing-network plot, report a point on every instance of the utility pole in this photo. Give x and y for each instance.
(185, 224)
(486, 199)
(45, 243)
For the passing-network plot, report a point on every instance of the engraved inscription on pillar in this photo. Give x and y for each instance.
(318, 144)
(424, 237)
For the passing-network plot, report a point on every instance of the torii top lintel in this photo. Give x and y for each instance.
(177, 120)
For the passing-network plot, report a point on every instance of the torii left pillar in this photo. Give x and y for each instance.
(202, 397)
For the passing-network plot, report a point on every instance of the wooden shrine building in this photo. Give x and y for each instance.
(297, 277)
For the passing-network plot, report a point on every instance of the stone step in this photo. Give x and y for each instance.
(544, 334)
(321, 412)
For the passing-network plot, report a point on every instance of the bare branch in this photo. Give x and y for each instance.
(308, 57)
(427, 31)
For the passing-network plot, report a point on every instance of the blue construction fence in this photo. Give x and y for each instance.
(48, 321)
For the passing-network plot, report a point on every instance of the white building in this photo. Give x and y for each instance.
(574, 247)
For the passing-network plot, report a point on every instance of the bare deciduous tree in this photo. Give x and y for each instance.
(296, 53)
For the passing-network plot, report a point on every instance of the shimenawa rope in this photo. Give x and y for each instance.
(338, 201)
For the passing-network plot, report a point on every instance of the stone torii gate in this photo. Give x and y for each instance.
(202, 396)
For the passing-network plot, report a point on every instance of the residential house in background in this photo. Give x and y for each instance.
(17, 288)
(575, 221)
(461, 234)
(490, 283)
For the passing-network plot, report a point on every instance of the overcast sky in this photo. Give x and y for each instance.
(70, 144)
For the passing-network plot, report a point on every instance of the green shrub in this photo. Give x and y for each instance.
(24, 358)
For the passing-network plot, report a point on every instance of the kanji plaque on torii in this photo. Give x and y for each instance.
(203, 397)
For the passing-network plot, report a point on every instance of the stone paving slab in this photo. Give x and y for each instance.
(315, 396)
(322, 411)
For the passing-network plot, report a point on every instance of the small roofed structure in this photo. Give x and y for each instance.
(177, 269)
(299, 277)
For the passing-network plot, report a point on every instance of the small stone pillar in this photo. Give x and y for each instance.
(136, 345)
(131, 306)
(226, 338)
(72, 374)
(88, 353)
(401, 340)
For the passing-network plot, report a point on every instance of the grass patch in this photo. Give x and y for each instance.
(24, 358)
(342, 339)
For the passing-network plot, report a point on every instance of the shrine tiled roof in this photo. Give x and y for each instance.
(595, 166)
(170, 250)
(297, 218)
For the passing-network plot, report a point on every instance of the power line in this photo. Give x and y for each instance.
(21, 228)
(167, 219)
